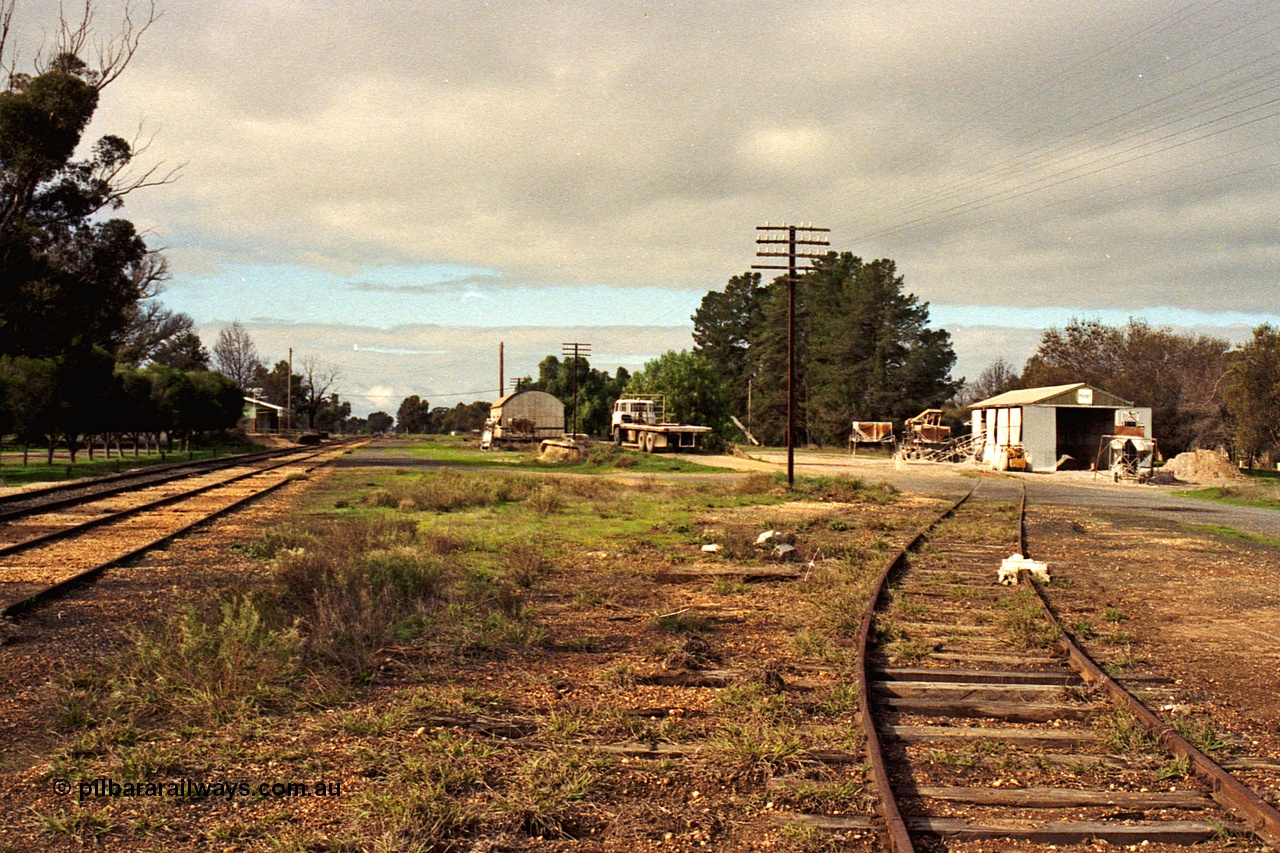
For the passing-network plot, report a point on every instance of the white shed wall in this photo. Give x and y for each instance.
(1040, 437)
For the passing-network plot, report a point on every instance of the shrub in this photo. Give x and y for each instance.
(219, 665)
(758, 484)
(448, 491)
(352, 604)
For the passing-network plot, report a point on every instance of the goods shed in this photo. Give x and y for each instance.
(523, 416)
(1054, 426)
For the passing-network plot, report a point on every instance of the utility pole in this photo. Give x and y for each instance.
(288, 391)
(773, 235)
(502, 384)
(575, 350)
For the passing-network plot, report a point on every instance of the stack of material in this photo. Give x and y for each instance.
(1203, 466)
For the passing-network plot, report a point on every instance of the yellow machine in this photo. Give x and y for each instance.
(1016, 456)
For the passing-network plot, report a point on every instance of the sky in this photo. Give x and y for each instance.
(392, 188)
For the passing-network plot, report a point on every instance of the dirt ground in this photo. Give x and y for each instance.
(1198, 609)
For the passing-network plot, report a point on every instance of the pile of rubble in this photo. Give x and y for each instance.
(1203, 466)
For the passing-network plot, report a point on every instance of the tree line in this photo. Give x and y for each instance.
(864, 351)
(88, 355)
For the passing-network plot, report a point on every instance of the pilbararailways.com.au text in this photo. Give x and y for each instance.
(197, 789)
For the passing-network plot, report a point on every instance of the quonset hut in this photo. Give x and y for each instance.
(523, 416)
(1057, 426)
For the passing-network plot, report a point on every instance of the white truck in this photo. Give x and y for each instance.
(640, 422)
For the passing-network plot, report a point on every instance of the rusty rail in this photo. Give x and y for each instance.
(887, 803)
(60, 588)
(1225, 788)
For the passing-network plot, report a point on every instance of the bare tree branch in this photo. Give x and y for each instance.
(113, 55)
(6, 21)
(236, 356)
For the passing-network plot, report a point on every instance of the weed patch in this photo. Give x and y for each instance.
(449, 491)
(1124, 734)
(1025, 622)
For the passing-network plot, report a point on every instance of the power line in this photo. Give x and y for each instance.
(1058, 163)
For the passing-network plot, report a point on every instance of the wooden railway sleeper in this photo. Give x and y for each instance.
(898, 829)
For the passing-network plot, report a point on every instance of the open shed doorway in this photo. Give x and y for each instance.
(1079, 432)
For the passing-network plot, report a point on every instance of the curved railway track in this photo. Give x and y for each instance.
(970, 745)
(57, 538)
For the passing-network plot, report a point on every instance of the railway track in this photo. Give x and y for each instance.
(987, 728)
(47, 498)
(57, 538)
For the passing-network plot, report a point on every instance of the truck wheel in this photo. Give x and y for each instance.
(617, 438)
(647, 438)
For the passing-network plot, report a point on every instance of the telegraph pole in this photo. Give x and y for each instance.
(502, 383)
(773, 235)
(575, 350)
(288, 391)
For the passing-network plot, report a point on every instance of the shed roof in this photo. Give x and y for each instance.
(529, 392)
(254, 401)
(1049, 395)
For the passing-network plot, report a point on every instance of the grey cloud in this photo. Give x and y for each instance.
(587, 142)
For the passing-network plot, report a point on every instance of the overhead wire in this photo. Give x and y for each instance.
(1053, 164)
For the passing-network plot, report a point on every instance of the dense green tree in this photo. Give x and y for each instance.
(414, 415)
(31, 398)
(333, 415)
(597, 391)
(462, 418)
(1179, 376)
(70, 276)
(871, 352)
(863, 351)
(691, 386)
(218, 403)
(1251, 394)
(275, 385)
(724, 327)
(183, 351)
(379, 422)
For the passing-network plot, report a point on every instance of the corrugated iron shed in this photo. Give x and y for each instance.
(1053, 395)
(527, 415)
(1054, 423)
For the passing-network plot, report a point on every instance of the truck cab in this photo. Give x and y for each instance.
(632, 410)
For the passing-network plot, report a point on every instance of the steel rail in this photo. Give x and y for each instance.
(123, 481)
(887, 803)
(1226, 789)
(62, 587)
(118, 515)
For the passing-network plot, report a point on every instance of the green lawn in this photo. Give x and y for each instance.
(602, 458)
(37, 470)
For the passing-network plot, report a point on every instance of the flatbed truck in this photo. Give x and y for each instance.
(640, 423)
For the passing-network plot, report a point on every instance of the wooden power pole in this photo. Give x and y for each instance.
(575, 350)
(789, 236)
